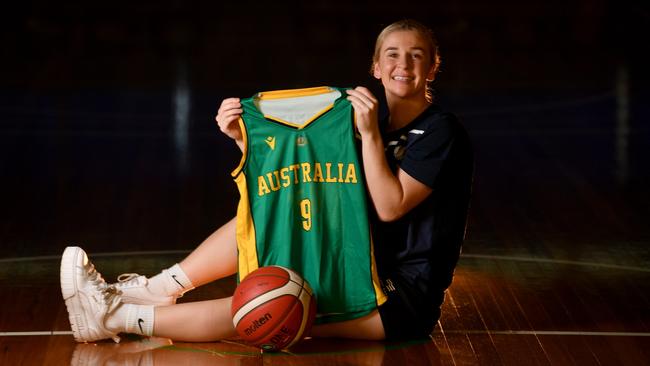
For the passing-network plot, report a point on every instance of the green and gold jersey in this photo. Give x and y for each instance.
(303, 198)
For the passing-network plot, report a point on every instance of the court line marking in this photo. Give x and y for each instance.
(477, 332)
(556, 261)
(35, 333)
(546, 332)
(463, 255)
(94, 255)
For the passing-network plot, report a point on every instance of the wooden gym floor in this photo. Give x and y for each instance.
(555, 269)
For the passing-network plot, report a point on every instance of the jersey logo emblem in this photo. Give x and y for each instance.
(271, 142)
(301, 141)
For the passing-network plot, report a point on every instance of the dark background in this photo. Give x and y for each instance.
(108, 139)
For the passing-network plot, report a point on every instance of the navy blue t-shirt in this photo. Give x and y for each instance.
(424, 245)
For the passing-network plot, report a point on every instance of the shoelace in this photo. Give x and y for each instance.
(112, 297)
(110, 294)
(95, 278)
(126, 278)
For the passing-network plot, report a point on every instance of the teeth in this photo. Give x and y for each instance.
(401, 78)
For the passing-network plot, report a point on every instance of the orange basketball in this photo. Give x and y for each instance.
(273, 308)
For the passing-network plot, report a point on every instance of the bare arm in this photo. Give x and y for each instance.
(393, 195)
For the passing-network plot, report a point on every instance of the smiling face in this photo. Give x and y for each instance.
(404, 65)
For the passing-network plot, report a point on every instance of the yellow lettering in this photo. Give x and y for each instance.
(275, 184)
(328, 169)
(306, 169)
(318, 173)
(351, 174)
(305, 211)
(311, 172)
(285, 178)
(262, 188)
(294, 168)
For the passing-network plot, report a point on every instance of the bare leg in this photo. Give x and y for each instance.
(205, 321)
(214, 258)
(368, 327)
(200, 321)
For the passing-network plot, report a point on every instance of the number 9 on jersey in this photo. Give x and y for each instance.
(305, 212)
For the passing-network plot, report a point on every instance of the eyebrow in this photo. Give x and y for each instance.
(395, 48)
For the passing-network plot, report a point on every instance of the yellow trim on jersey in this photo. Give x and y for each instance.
(246, 249)
(357, 134)
(296, 93)
(306, 123)
(242, 127)
(293, 93)
(380, 296)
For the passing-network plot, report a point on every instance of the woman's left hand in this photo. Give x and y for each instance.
(366, 109)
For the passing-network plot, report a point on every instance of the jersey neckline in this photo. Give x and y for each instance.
(295, 93)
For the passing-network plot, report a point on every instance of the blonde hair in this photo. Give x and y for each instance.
(424, 32)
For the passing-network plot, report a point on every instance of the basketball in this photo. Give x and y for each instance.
(273, 308)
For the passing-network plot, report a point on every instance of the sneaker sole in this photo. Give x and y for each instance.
(69, 263)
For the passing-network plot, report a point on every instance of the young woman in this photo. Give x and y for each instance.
(418, 167)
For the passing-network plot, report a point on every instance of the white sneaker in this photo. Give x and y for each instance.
(88, 299)
(134, 290)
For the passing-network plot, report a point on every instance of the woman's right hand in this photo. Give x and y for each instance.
(227, 119)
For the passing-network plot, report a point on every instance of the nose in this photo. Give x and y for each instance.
(405, 62)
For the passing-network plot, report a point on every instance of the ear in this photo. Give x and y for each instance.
(376, 72)
(432, 74)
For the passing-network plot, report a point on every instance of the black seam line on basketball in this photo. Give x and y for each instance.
(246, 303)
(273, 275)
(264, 275)
(253, 299)
(286, 311)
(304, 315)
(280, 324)
(282, 316)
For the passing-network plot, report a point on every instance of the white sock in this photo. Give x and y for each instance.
(139, 319)
(170, 282)
(131, 318)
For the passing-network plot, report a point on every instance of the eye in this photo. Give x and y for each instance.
(392, 55)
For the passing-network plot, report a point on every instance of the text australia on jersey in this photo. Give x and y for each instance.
(306, 173)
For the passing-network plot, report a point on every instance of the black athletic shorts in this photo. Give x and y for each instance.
(407, 314)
